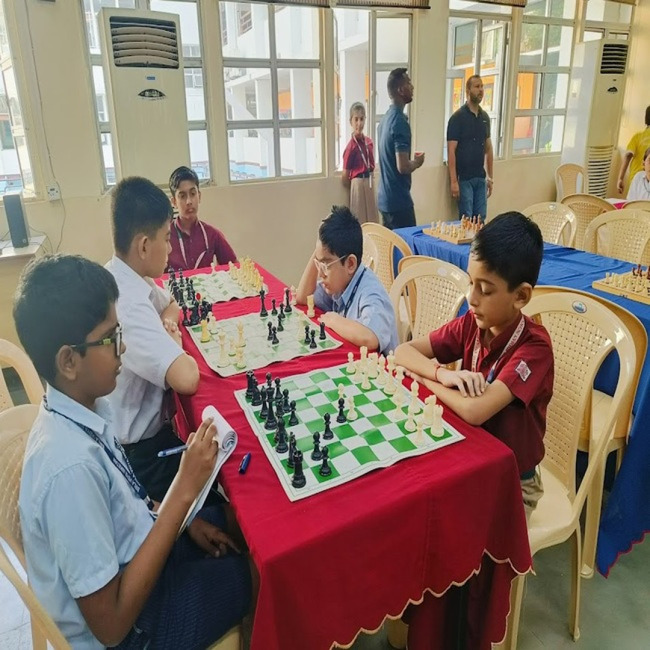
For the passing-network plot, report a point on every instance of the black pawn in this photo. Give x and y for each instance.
(270, 336)
(341, 416)
(285, 400)
(325, 469)
(271, 421)
(327, 434)
(281, 315)
(292, 449)
(278, 390)
(322, 336)
(265, 406)
(280, 327)
(249, 384)
(307, 339)
(257, 395)
(281, 447)
(269, 383)
(274, 311)
(263, 312)
(287, 302)
(312, 343)
(275, 340)
(186, 320)
(316, 454)
(298, 479)
(293, 418)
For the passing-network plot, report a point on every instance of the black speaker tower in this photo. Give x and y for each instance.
(15, 212)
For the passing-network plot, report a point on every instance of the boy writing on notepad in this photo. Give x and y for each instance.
(506, 379)
(353, 298)
(106, 569)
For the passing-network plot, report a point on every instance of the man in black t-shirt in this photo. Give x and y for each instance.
(469, 150)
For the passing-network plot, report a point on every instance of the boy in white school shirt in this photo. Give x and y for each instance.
(154, 363)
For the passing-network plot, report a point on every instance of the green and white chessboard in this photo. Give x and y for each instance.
(260, 352)
(376, 439)
(218, 287)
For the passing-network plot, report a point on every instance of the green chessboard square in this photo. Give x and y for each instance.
(444, 436)
(301, 404)
(287, 469)
(343, 431)
(402, 428)
(332, 396)
(290, 386)
(364, 455)
(402, 444)
(324, 479)
(360, 400)
(373, 437)
(316, 425)
(345, 380)
(334, 448)
(271, 438)
(325, 345)
(319, 377)
(305, 444)
(379, 420)
(328, 408)
(385, 405)
(311, 390)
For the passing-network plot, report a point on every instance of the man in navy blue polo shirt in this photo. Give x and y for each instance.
(394, 148)
(469, 151)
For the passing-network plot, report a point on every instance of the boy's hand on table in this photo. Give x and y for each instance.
(470, 384)
(210, 538)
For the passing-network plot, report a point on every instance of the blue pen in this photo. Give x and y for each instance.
(170, 452)
(245, 461)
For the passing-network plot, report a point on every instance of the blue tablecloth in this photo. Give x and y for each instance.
(626, 517)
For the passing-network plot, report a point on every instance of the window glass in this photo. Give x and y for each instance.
(300, 151)
(608, 11)
(525, 129)
(245, 31)
(298, 93)
(199, 157)
(248, 93)
(551, 130)
(251, 154)
(194, 97)
(301, 25)
(461, 5)
(393, 40)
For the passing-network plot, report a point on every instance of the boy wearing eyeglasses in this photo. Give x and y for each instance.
(106, 570)
(155, 363)
(353, 299)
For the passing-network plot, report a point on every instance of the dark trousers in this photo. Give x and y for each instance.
(399, 219)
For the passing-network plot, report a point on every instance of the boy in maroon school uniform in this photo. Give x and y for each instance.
(506, 379)
(194, 242)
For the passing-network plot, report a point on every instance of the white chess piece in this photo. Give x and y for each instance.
(232, 348)
(372, 365)
(310, 306)
(399, 375)
(350, 369)
(415, 396)
(223, 354)
(437, 428)
(213, 265)
(398, 400)
(351, 414)
(239, 359)
(365, 381)
(418, 438)
(341, 391)
(410, 425)
(241, 341)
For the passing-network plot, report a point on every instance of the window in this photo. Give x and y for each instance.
(543, 76)
(15, 164)
(478, 44)
(193, 72)
(272, 81)
(607, 19)
(359, 78)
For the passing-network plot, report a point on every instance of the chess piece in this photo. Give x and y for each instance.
(241, 341)
(341, 416)
(292, 449)
(310, 306)
(294, 299)
(381, 374)
(240, 364)
(271, 422)
(437, 427)
(269, 325)
(307, 338)
(223, 354)
(325, 469)
(298, 479)
(281, 447)
(350, 367)
(316, 454)
(293, 418)
(274, 311)
(265, 406)
(322, 336)
(285, 400)
(278, 390)
(365, 382)
(269, 383)
(409, 425)
(280, 327)
(257, 395)
(415, 396)
(275, 340)
(312, 343)
(249, 384)
(341, 389)
(351, 414)
(372, 365)
(418, 438)
(263, 312)
(205, 335)
(287, 302)
(327, 433)
(232, 349)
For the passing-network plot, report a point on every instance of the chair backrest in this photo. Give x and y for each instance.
(556, 221)
(583, 332)
(15, 424)
(441, 289)
(570, 179)
(586, 208)
(621, 234)
(638, 205)
(369, 253)
(385, 241)
(12, 355)
(639, 339)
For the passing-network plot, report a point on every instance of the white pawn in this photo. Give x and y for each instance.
(410, 425)
(372, 365)
(399, 397)
(351, 414)
(364, 353)
(223, 354)
(241, 341)
(232, 348)
(381, 373)
(418, 438)
(240, 364)
(341, 391)
(365, 383)
(350, 367)
(415, 396)
(399, 376)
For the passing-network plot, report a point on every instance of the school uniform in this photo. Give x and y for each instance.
(364, 300)
(359, 164)
(639, 188)
(199, 247)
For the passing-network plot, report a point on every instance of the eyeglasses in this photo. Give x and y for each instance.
(114, 339)
(324, 267)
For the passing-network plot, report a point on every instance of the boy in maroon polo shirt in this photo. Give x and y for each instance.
(194, 243)
(506, 380)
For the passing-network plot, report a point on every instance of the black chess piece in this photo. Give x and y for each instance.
(186, 320)
(270, 336)
(341, 416)
(292, 449)
(275, 340)
(307, 339)
(269, 383)
(325, 469)
(281, 315)
(285, 400)
(281, 447)
(287, 302)
(181, 279)
(265, 405)
(327, 434)
(278, 390)
(280, 327)
(274, 311)
(172, 276)
(249, 384)
(298, 479)
(257, 395)
(271, 422)
(195, 319)
(312, 343)
(322, 336)
(293, 418)
(316, 454)
(263, 312)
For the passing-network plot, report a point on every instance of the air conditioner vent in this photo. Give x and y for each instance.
(599, 165)
(142, 42)
(614, 58)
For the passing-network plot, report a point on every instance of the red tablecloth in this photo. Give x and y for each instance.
(342, 560)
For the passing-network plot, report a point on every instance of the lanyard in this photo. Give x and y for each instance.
(365, 157)
(354, 292)
(124, 468)
(182, 246)
(477, 348)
